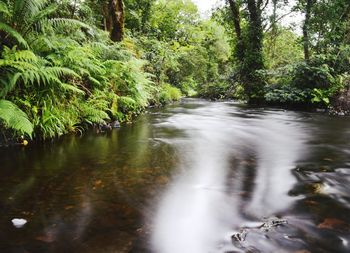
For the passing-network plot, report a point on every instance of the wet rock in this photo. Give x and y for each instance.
(18, 222)
(105, 127)
(341, 103)
(239, 236)
(115, 124)
(272, 223)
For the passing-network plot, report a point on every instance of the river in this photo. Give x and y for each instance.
(197, 177)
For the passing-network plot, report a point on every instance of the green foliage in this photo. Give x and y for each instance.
(304, 83)
(311, 76)
(26, 68)
(58, 65)
(173, 20)
(93, 110)
(281, 48)
(13, 117)
(169, 94)
(286, 94)
(127, 104)
(320, 96)
(216, 90)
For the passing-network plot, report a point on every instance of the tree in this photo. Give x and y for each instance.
(249, 48)
(116, 19)
(238, 30)
(306, 38)
(110, 15)
(174, 20)
(138, 14)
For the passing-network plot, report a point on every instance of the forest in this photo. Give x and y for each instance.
(155, 126)
(67, 65)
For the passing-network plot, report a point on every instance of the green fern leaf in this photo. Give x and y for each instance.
(13, 33)
(15, 118)
(4, 9)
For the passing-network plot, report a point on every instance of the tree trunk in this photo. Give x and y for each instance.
(274, 30)
(255, 34)
(249, 50)
(254, 55)
(116, 14)
(237, 25)
(306, 38)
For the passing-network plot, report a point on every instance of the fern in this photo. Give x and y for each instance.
(13, 33)
(14, 118)
(24, 66)
(4, 10)
(93, 111)
(66, 22)
(22, 19)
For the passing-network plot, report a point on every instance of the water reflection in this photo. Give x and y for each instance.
(185, 178)
(83, 194)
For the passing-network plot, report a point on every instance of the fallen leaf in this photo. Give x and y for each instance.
(48, 238)
(333, 223)
(97, 183)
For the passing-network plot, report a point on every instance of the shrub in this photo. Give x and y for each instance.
(286, 94)
(312, 76)
(169, 94)
(216, 90)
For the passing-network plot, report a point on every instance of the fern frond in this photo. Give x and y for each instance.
(41, 14)
(20, 55)
(13, 33)
(15, 118)
(69, 87)
(61, 71)
(4, 10)
(57, 22)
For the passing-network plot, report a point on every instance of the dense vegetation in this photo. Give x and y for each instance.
(282, 65)
(66, 65)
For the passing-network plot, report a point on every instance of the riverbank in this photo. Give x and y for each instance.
(8, 138)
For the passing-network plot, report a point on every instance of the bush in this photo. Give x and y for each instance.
(215, 90)
(286, 94)
(169, 94)
(312, 76)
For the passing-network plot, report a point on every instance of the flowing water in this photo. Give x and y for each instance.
(198, 177)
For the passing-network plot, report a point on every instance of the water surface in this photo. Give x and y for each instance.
(186, 178)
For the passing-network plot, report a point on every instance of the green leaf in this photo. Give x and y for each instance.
(15, 118)
(4, 9)
(13, 33)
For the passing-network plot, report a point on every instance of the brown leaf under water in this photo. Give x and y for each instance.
(48, 238)
(68, 207)
(333, 223)
(97, 182)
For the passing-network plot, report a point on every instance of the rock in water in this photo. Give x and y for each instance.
(115, 124)
(239, 236)
(18, 223)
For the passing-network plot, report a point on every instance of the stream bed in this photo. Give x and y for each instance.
(196, 177)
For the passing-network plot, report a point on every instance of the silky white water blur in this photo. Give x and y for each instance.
(200, 208)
